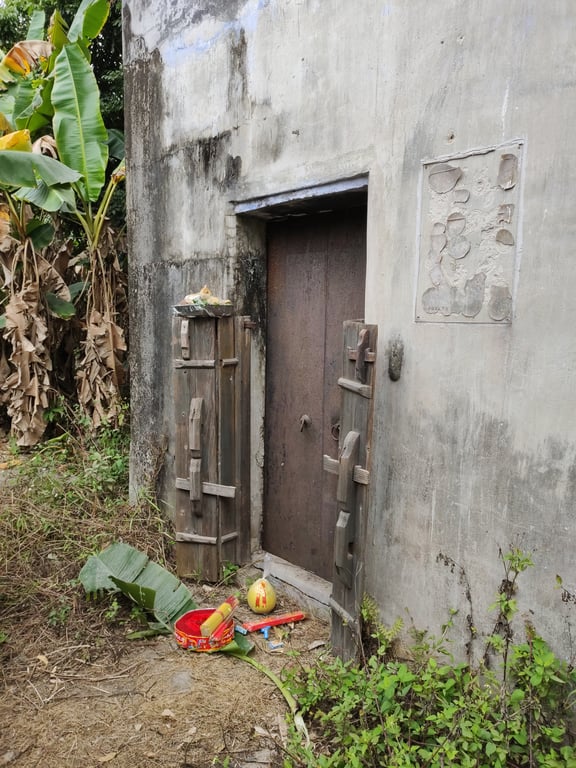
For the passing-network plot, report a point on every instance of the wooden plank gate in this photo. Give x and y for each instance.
(211, 353)
(352, 467)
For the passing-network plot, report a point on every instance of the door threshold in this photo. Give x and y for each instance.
(306, 588)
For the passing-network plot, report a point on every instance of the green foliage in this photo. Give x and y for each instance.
(22, 168)
(15, 17)
(78, 126)
(514, 562)
(229, 571)
(79, 467)
(387, 712)
(60, 205)
(111, 613)
(376, 637)
(121, 567)
(14, 20)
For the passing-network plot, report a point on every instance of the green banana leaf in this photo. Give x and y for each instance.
(51, 199)
(32, 107)
(7, 105)
(240, 646)
(6, 77)
(89, 20)
(40, 232)
(24, 94)
(22, 169)
(122, 568)
(142, 596)
(79, 130)
(119, 560)
(116, 143)
(36, 26)
(159, 592)
(76, 289)
(59, 307)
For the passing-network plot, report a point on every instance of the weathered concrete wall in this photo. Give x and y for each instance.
(474, 447)
(475, 444)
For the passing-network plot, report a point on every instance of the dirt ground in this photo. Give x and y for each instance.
(77, 693)
(111, 701)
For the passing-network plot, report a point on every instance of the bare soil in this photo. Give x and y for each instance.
(83, 699)
(75, 692)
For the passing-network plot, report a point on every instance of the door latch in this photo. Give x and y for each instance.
(345, 532)
(305, 421)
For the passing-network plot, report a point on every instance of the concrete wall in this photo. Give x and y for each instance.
(474, 447)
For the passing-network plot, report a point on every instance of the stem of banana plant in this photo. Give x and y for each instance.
(101, 213)
(290, 700)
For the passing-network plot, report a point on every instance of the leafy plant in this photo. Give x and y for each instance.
(112, 611)
(515, 562)
(388, 712)
(229, 571)
(58, 616)
(54, 161)
(376, 637)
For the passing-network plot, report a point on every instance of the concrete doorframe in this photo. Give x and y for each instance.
(308, 588)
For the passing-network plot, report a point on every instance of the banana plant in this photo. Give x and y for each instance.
(51, 88)
(51, 100)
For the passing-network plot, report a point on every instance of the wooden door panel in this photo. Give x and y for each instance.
(356, 386)
(316, 274)
(212, 412)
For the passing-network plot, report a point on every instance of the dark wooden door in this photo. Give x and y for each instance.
(316, 277)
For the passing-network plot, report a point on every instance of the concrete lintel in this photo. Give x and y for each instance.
(270, 202)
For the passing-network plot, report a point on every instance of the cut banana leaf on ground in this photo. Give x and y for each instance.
(122, 568)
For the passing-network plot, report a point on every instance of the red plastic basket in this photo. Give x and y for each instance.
(188, 635)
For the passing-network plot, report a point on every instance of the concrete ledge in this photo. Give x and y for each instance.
(307, 589)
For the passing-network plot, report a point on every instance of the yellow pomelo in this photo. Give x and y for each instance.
(261, 596)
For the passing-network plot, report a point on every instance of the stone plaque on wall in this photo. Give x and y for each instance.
(469, 236)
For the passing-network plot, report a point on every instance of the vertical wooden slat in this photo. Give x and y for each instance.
(243, 343)
(204, 346)
(182, 521)
(196, 516)
(227, 371)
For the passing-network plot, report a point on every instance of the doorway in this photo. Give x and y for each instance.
(316, 280)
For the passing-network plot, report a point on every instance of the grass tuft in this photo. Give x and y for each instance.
(60, 503)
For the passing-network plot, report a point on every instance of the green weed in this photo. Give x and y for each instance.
(229, 571)
(432, 712)
(58, 615)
